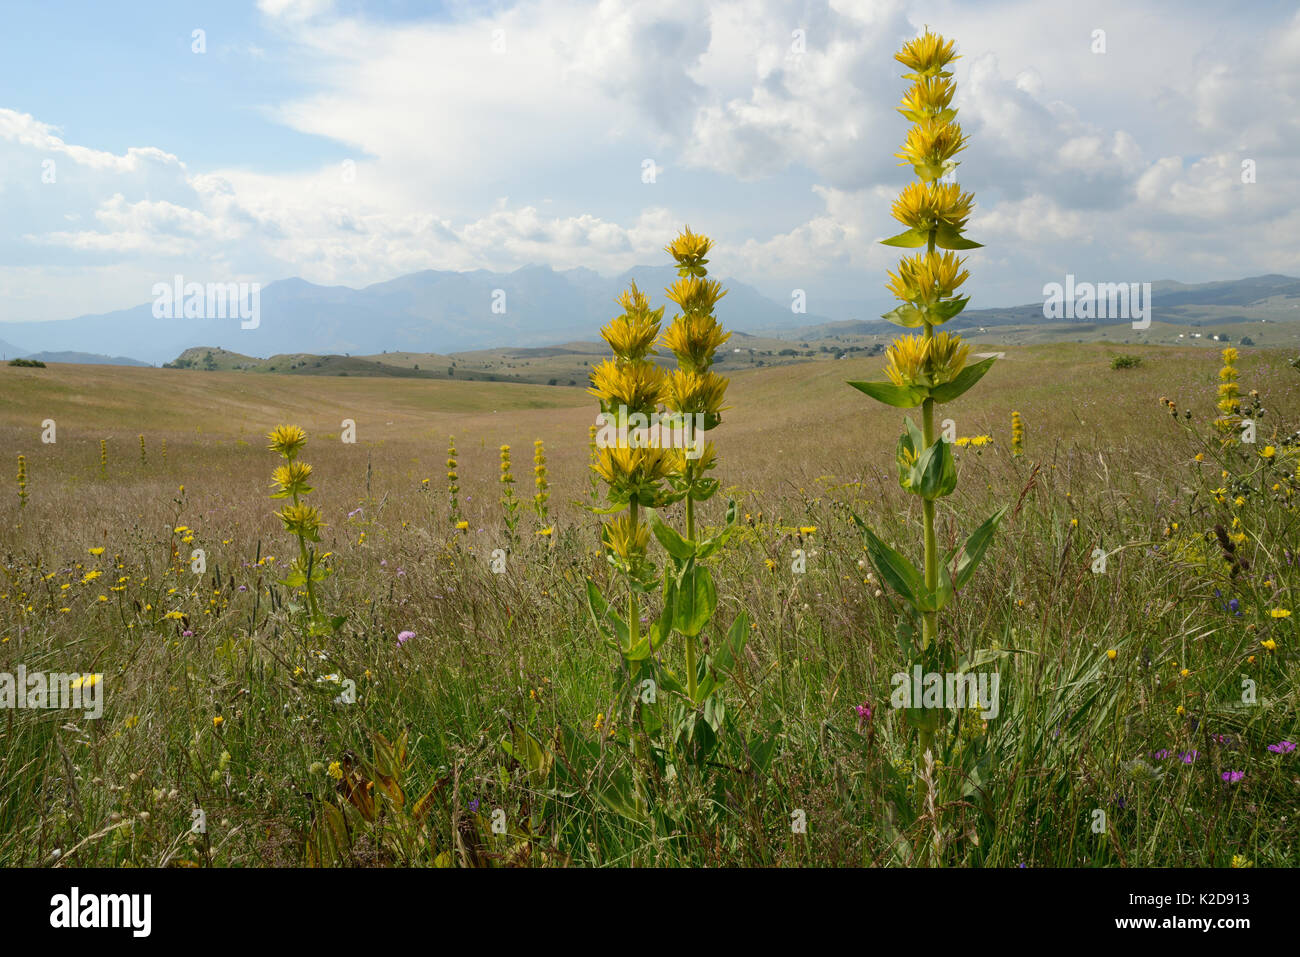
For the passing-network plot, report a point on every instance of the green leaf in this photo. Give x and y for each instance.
(711, 545)
(896, 570)
(901, 397)
(906, 315)
(729, 651)
(609, 624)
(973, 551)
(948, 237)
(662, 626)
(909, 239)
(907, 452)
(936, 600)
(945, 309)
(695, 600)
(673, 543)
(964, 380)
(295, 578)
(936, 471)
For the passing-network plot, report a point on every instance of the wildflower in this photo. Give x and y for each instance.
(926, 278)
(1187, 757)
(1232, 777)
(1239, 861)
(689, 249)
(291, 480)
(287, 440)
(925, 206)
(1111, 653)
(335, 771)
(807, 529)
(927, 55)
(462, 526)
(403, 637)
(1279, 613)
(1282, 747)
(1268, 452)
(546, 532)
(626, 537)
(218, 721)
(302, 520)
(864, 713)
(1017, 435)
(1269, 644)
(600, 722)
(96, 551)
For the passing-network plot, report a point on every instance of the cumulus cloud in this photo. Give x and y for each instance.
(500, 136)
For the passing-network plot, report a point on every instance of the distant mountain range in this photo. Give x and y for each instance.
(444, 312)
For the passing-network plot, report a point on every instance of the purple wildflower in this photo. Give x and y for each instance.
(1161, 754)
(1282, 747)
(403, 637)
(473, 806)
(1187, 757)
(864, 713)
(187, 634)
(1232, 777)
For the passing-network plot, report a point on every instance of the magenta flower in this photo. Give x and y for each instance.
(1232, 777)
(1282, 747)
(1187, 757)
(187, 634)
(864, 713)
(403, 637)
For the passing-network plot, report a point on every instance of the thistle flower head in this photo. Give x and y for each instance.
(689, 249)
(638, 386)
(287, 440)
(926, 56)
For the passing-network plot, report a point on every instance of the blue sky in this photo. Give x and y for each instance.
(351, 142)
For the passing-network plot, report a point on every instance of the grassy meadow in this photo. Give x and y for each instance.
(502, 732)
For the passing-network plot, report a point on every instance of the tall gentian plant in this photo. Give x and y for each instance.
(929, 368)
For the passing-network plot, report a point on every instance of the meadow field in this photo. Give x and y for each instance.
(465, 709)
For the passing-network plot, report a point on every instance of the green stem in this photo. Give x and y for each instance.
(930, 619)
(692, 683)
(633, 613)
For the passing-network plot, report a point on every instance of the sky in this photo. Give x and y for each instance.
(348, 142)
